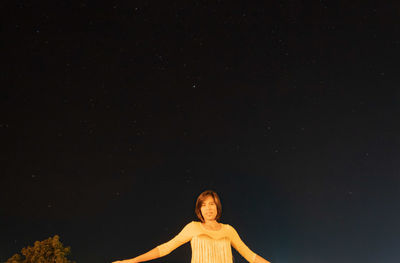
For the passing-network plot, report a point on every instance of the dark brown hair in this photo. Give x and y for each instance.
(200, 201)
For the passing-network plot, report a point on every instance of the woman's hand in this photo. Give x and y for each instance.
(152, 254)
(126, 261)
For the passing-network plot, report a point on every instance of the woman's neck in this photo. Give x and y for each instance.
(211, 223)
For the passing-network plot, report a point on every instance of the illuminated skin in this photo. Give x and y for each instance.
(209, 212)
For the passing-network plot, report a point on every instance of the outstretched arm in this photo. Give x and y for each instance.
(163, 249)
(241, 247)
(152, 254)
(259, 259)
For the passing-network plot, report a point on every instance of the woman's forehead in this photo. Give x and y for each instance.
(209, 199)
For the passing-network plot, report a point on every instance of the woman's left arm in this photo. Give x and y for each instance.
(259, 259)
(241, 247)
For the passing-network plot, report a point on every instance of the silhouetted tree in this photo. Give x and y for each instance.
(50, 250)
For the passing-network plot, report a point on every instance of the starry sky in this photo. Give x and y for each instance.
(116, 115)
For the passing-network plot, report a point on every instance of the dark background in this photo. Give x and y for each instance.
(116, 115)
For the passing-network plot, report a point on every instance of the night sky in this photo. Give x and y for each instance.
(116, 115)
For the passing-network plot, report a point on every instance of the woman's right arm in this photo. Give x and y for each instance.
(164, 249)
(152, 254)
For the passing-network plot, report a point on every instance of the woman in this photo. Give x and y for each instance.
(210, 240)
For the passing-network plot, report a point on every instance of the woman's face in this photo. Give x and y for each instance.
(209, 209)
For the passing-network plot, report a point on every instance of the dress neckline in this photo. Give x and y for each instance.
(201, 224)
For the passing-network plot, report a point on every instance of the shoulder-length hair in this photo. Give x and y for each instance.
(200, 201)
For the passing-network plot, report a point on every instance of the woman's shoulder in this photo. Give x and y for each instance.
(195, 224)
(229, 227)
(191, 224)
(225, 225)
(190, 227)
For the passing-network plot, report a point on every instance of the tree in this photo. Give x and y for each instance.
(50, 250)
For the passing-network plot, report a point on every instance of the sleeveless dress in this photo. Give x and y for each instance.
(209, 246)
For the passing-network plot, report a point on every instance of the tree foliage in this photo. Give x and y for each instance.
(50, 250)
